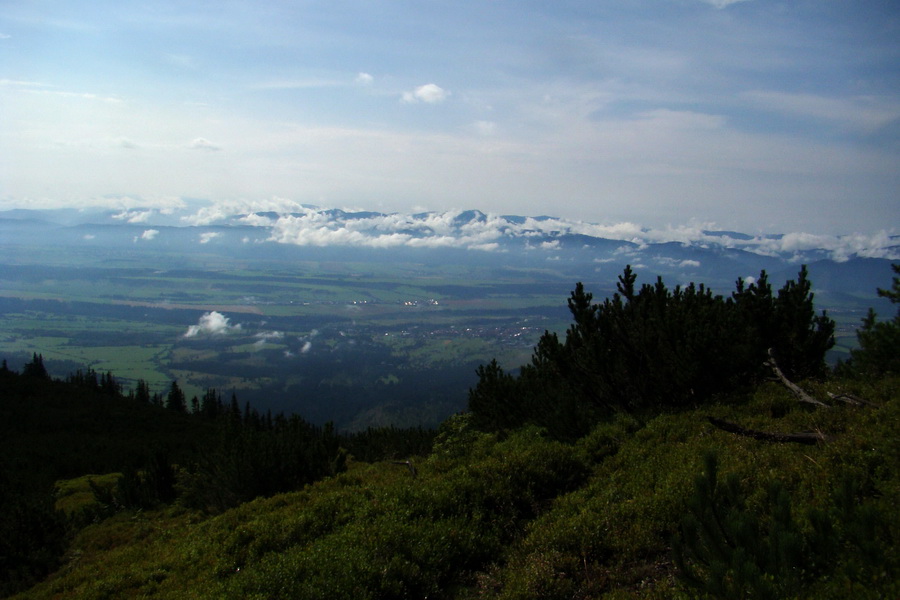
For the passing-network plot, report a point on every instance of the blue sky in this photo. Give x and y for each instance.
(755, 115)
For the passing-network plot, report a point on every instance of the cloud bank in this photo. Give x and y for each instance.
(474, 230)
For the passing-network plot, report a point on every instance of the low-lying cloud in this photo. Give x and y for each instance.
(474, 230)
(263, 337)
(149, 234)
(212, 323)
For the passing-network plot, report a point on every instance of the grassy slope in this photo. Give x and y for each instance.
(522, 517)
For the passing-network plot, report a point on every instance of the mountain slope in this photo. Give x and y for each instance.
(524, 516)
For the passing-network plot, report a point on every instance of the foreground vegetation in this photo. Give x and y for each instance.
(649, 500)
(523, 516)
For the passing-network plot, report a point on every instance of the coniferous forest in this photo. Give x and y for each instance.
(672, 443)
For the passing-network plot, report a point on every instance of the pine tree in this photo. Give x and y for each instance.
(494, 399)
(879, 341)
(36, 368)
(803, 337)
(211, 404)
(176, 400)
(142, 392)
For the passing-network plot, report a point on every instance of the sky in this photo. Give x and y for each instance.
(753, 115)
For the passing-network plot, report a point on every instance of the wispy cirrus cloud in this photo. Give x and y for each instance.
(39, 87)
(861, 112)
(18, 83)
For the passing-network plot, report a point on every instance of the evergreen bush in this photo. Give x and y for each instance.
(652, 349)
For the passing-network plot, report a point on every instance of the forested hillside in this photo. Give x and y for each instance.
(672, 444)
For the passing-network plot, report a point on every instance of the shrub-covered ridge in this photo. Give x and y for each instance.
(523, 516)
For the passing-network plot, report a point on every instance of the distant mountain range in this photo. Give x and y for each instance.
(852, 264)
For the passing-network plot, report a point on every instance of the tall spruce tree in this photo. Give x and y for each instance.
(176, 400)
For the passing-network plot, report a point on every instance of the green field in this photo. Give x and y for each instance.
(306, 326)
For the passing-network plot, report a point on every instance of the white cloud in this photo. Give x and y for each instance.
(134, 216)
(211, 323)
(150, 234)
(204, 144)
(307, 346)
(364, 79)
(839, 247)
(208, 236)
(267, 336)
(257, 220)
(221, 211)
(436, 230)
(429, 93)
(89, 236)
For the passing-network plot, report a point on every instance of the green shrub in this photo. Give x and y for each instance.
(729, 548)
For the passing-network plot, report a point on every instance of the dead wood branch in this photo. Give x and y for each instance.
(806, 437)
(850, 399)
(795, 389)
